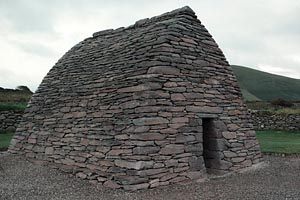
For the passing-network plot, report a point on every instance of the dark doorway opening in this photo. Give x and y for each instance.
(212, 146)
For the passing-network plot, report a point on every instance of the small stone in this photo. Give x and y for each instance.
(180, 120)
(232, 127)
(32, 140)
(49, 150)
(78, 114)
(170, 84)
(229, 154)
(185, 138)
(238, 159)
(111, 184)
(145, 150)
(38, 149)
(204, 109)
(148, 136)
(122, 137)
(250, 143)
(151, 172)
(130, 104)
(171, 163)
(176, 89)
(106, 163)
(247, 163)
(168, 177)
(142, 87)
(250, 133)
(136, 187)
(141, 129)
(102, 149)
(101, 179)
(81, 175)
(193, 95)
(68, 161)
(220, 125)
(187, 40)
(194, 148)
(172, 149)
(148, 109)
(150, 121)
(229, 135)
(130, 180)
(134, 164)
(116, 152)
(164, 70)
(177, 97)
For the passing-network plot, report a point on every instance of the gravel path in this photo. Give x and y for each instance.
(279, 179)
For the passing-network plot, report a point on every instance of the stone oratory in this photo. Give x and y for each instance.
(144, 106)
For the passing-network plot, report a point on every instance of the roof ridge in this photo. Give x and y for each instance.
(141, 22)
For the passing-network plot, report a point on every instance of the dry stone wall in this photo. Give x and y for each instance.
(269, 121)
(126, 108)
(10, 119)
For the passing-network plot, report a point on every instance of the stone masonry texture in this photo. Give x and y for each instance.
(9, 120)
(140, 107)
(270, 121)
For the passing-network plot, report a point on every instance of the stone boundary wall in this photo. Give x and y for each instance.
(10, 119)
(268, 121)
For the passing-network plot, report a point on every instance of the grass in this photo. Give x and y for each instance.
(266, 86)
(13, 99)
(5, 138)
(12, 106)
(287, 142)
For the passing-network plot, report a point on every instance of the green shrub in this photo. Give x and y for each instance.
(281, 102)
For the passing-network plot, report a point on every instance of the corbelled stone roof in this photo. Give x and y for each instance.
(139, 107)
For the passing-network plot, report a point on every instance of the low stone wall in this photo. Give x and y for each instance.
(269, 121)
(10, 119)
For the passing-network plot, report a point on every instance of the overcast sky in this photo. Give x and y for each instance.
(34, 34)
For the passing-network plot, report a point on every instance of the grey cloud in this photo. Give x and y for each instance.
(27, 16)
(35, 49)
(249, 32)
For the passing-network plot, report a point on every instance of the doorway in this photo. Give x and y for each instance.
(213, 145)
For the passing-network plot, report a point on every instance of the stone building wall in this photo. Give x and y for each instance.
(10, 119)
(269, 121)
(127, 108)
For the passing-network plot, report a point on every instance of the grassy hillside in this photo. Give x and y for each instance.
(258, 85)
(14, 99)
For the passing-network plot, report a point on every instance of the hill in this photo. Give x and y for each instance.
(258, 85)
(14, 99)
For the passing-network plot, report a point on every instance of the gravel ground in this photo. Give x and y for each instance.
(278, 179)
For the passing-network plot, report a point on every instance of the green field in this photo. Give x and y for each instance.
(5, 138)
(279, 141)
(12, 105)
(258, 85)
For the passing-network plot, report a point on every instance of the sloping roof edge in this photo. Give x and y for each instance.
(184, 10)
